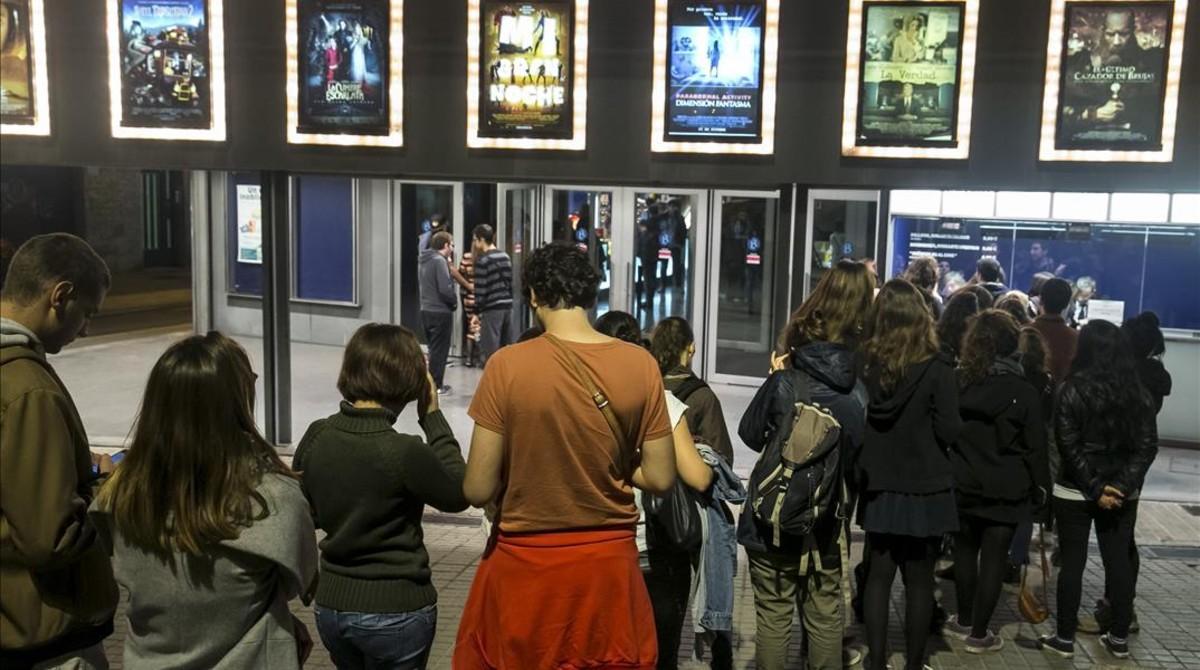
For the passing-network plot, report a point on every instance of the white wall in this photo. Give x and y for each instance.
(1180, 416)
(313, 323)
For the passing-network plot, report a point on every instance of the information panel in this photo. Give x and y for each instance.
(909, 82)
(343, 66)
(715, 72)
(165, 61)
(525, 69)
(1114, 75)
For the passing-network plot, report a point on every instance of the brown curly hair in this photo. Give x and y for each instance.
(991, 334)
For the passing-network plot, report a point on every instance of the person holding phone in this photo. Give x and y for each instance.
(368, 486)
(207, 528)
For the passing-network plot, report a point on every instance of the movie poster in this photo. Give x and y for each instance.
(1113, 75)
(16, 63)
(343, 64)
(249, 224)
(525, 75)
(165, 64)
(715, 71)
(911, 66)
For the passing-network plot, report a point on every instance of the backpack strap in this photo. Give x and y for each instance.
(581, 375)
(688, 386)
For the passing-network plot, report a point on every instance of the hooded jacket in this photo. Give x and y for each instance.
(437, 287)
(830, 373)
(910, 429)
(56, 583)
(1001, 452)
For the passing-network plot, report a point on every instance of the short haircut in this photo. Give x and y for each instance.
(484, 233)
(989, 269)
(1056, 295)
(620, 325)
(383, 363)
(1039, 281)
(440, 240)
(562, 276)
(46, 260)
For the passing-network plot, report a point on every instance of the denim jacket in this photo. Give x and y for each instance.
(712, 581)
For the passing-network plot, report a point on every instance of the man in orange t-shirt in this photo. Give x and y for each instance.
(563, 562)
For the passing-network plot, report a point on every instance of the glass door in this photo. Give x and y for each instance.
(583, 216)
(841, 224)
(519, 232)
(663, 237)
(741, 312)
(424, 208)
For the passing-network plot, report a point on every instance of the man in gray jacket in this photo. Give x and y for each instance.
(438, 303)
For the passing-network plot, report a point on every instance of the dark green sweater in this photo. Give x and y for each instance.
(368, 486)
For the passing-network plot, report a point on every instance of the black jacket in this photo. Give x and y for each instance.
(1155, 379)
(910, 429)
(1001, 452)
(830, 373)
(1092, 454)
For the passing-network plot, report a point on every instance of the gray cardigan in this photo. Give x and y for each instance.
(228, 609)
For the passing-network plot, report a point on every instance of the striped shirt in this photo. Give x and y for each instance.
(493, 281)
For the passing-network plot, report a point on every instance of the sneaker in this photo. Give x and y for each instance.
(1052, 644)
(852, 656)
(1104, 619)
(946, 572)
(954, 629)
(445, 390)
(1090, 625)
(982, 645)
(1118, 648)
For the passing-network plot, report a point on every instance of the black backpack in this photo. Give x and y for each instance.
(796, 479)
(673, 518)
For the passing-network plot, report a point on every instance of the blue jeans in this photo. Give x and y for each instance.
(392, 641)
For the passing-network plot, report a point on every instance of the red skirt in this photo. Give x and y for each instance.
(558, 601)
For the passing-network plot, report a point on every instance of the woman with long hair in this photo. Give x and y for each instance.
(376, 605)
(673, 345)
(952, 325)
(818, 367)
(907, 482)
(666, 568)
(209, 530)
(1000, 469)
(566, 425)
(1105, 432)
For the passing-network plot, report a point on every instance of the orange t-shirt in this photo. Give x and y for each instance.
(563, 468)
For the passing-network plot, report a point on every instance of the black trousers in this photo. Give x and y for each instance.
(669, 582)
(980, 561)
(1114, 531)
(914, 557)
(439, 327)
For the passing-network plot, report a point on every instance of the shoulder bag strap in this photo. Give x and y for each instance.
(581, 375)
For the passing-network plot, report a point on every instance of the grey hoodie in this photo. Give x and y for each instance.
(437, 287)
(228, 608)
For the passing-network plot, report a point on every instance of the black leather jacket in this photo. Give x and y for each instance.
(1092, 455)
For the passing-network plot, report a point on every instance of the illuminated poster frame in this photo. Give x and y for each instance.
(40, 80)
(395, 135)
(215, 132)
(716, 145)
(578, 135)
(1055, 46)
(966, 86)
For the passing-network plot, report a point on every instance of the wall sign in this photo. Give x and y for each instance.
(249, 224)
(1112, 80)
(909, 78)
(345, 72)
(714, 76)
(24, 87)
(527, 74)
(166, 69)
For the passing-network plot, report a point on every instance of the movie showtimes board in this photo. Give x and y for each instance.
(526, 77)
(714, 71)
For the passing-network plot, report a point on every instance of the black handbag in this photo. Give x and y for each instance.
(673, 519)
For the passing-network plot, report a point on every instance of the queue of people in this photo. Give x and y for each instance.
(604, 465)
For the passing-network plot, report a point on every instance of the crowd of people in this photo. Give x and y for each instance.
(604, 467)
